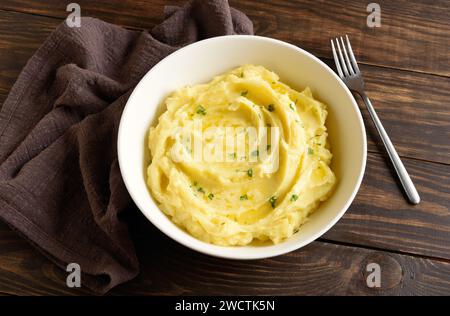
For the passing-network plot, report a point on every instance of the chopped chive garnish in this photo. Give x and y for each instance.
(210, 196)
(244, 93)
(255, 153)
(242, 75)
(201, 190)
(201, 110)
(243, 197)
(250, 172)
(271, 108)
(292, 107)
(272, 201)
(268, 147)
(310, 151)
(195, 183)
(233, 155)
(294, 197)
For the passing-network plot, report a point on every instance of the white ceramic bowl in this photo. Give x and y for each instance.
(199, 63)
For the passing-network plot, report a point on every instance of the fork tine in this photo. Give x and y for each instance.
(336, 60)
(352, 57)
(341, 58)
(349, 66)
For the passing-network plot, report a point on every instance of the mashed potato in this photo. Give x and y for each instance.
(261, 186)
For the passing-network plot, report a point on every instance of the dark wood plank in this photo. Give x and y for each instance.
(381, 217)
(414, 107)
(20, 36)
(134, 13)
(414, 35)
(319, 268)
(171, 269)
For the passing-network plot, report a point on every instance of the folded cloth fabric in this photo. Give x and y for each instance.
(60, 185)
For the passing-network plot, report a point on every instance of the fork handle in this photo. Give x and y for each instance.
(405, 179)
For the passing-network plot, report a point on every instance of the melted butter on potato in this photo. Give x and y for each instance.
(238, 197)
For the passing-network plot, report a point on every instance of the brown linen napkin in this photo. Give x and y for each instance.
(60, 185)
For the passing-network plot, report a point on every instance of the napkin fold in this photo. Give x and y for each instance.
(60, 184)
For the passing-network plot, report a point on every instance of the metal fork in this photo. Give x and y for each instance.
(349, 72)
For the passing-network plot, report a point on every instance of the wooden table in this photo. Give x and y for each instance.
(406, 65)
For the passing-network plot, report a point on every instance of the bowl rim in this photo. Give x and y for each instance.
(214, 250)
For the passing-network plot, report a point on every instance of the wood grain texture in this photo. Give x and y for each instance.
(171, 269)
(380, 216)
(414, 35)
(318, 269)
(412, 102)
(413, 107)
(20, 36)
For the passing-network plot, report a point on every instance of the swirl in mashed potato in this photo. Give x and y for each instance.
(239, 200)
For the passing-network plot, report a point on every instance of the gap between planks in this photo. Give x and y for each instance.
(375, 248)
